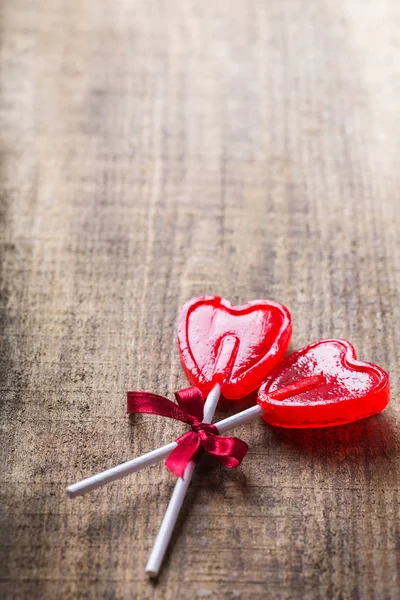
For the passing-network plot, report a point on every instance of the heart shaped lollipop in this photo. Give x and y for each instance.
(350, 390)
(235, 346)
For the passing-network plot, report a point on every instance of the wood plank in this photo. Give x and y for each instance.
(155, 151)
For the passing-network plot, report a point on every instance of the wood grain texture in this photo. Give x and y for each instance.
(152, 151)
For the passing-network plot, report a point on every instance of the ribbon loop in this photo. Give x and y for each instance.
(228, 451)
(191, 401)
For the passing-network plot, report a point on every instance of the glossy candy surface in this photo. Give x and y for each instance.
(350, 389)
(235, 346)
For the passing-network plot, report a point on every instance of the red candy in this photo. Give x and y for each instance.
(348, 390)
(235, 346)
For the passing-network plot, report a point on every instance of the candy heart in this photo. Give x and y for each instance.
(350, 389)
(235, 346)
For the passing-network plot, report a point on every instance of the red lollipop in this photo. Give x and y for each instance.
(350, 389)
(320, 385)
(235, 346)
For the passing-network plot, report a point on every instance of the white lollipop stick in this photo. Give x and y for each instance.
(178, 496)
(131, 466)
(155, 456)
(175, 504)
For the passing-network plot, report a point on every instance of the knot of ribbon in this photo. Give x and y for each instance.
(228, 451)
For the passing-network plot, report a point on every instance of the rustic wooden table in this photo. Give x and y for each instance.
(152, 151)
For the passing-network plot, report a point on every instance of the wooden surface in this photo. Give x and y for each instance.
(152, 151)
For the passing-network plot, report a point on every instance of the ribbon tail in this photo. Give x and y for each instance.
(187, 448)
(228, 451)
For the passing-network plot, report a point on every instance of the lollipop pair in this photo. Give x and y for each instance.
(234, 351)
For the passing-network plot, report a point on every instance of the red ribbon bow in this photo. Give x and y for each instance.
(228, 451)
